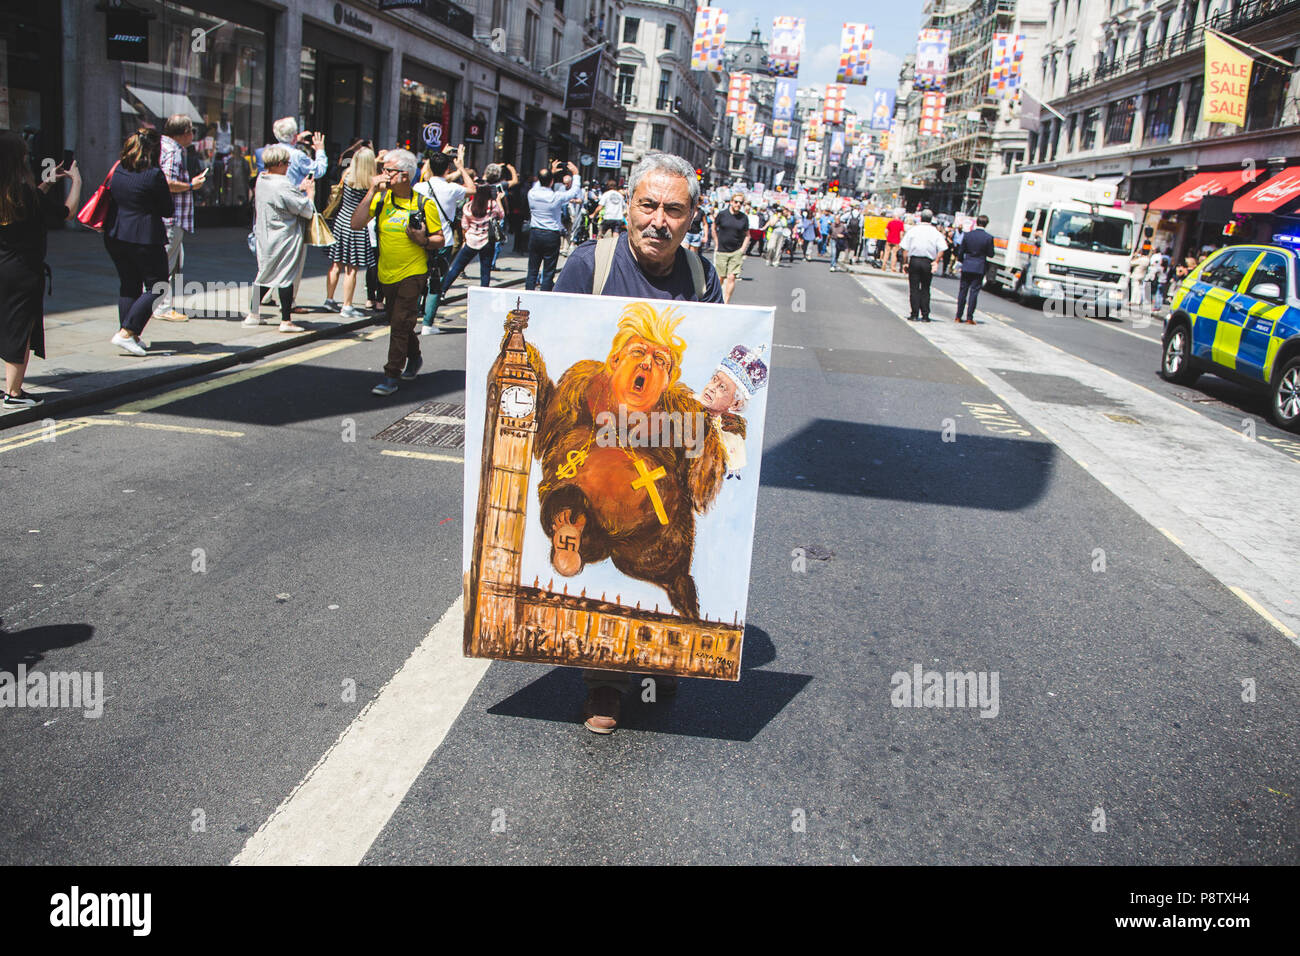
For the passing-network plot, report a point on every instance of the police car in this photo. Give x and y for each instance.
(1237, 315)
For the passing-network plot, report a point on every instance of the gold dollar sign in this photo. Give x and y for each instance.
(572, 463)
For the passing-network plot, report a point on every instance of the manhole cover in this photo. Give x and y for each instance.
(433, 423)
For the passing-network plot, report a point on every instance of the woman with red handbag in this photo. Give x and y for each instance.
(135, 236)
(22, 262)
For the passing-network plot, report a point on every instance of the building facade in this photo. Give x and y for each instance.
(416, 73)
(982, 135)
(670, 107)
(1130, 102)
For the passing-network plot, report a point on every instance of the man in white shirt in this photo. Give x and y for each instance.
(922, 245)
(545, 205)
(447, 196)
(613, 209)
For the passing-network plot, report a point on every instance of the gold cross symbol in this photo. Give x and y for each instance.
(647, 481)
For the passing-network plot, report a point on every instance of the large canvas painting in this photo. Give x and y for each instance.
(612, 455)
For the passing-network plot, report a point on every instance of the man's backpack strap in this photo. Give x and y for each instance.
(697, 273)
(603, 262)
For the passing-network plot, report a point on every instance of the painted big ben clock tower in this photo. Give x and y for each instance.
(510, 427)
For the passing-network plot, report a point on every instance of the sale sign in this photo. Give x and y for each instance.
(1227, 82)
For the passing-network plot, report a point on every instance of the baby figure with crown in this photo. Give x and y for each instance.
(737, 379)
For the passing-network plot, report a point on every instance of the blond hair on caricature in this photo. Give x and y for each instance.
(656, 326)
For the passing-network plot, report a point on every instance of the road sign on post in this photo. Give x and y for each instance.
(611, 154)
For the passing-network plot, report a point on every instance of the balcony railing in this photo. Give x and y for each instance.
(1247, 15)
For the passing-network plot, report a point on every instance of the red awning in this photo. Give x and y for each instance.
(1188, 195)
(1266, 197)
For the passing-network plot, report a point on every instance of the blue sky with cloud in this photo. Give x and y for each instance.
(895, 24)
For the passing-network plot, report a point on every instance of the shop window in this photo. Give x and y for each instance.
(1268, 91)
(1162, 105)
(1119, 121)
(221, 87)
(626, 84)
(1192, 114)
(423, 101)
(631, 25)
(1088, 128)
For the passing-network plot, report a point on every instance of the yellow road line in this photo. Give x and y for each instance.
(186, 429)
(40, 435)
(427, 456)
(1169, 534)
(1259, 609)
(167, 398)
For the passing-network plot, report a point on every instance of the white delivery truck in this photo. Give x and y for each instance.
(1057, 238)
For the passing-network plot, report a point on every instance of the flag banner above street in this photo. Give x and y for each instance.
(600, 529)
(580, 91)
(737, 92)
(783, 100)
(787, 44)
(1004, 78)
(769, 144)
(813, 128)
(851, 130)
(932, 109)
(855, 53)
(756, 130)
(932, 60)
(833, 104)
(780, 127)
(1227, 82)
(710, 39)
(837, 146)
(882, 108)
(745, 121)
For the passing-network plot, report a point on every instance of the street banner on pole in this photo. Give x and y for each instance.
(932, 109)
(833, 104)
(710, 39)
(837, 146)
(1007, 56)
(737, 92)
(1227, 81)
(932, 59)
(769, 144)
(600, 531)
(882, 108)
(855, 53)
(580, 91)
(783, 101)
(787, 43)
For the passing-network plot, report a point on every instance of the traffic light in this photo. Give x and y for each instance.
(699, 173)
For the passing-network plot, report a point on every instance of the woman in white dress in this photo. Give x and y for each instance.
(1137, 279)
(280, 229)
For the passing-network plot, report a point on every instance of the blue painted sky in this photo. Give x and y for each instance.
(895, 24)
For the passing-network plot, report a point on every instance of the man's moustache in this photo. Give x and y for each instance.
(653, 232)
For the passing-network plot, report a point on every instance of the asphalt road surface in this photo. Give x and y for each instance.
(232, 564)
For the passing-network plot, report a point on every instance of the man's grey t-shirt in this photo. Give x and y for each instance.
(627, 279)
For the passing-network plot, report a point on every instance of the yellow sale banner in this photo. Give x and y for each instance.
(1227, 82)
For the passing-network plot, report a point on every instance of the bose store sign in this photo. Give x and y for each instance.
(128, 35)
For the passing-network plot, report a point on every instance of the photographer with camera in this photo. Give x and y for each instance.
(545, 204)
(408, 227)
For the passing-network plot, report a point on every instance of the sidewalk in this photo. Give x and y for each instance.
(82, 368)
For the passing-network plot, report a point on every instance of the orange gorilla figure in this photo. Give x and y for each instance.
(603, 498)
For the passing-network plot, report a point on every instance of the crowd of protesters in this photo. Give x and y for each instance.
(409, 228)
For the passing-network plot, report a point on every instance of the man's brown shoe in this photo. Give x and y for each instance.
(602, 710)
(174, 316)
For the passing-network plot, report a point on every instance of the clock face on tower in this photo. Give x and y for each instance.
(517, 402)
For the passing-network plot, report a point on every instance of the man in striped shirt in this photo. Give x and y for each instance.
(177, 135)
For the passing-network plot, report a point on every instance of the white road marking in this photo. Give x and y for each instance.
(426, 455)
(333, 816)
(1172, 469)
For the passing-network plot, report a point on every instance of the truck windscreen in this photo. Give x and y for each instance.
(1081, 230)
